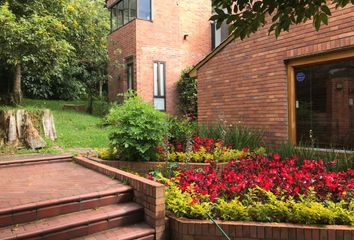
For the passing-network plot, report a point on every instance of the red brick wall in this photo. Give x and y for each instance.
(125, 40)
(181, 229)
(162, 39)
(247, 80)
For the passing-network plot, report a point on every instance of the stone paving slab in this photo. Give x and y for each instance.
(21, 185)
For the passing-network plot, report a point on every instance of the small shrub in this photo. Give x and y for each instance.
(180, 131)
(237, 135)
(188, 97)
(138, 129)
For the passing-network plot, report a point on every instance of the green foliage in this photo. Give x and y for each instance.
(188, 97)
(60, 46)
(74, 129)
(343, 159)
(247, 16)
(183, 204)
(180, 130)
(138, 129)
(233, 210)
(237, 135)
(259, 205)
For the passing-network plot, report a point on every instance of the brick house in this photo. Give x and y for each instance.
(158, 39)
(299, 87)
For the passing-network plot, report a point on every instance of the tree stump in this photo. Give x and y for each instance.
(21, 128)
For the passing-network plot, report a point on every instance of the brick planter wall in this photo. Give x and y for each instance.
(149, 194)
(144, 168)
(183, 229)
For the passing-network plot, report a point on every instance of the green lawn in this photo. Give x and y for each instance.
(74, 129)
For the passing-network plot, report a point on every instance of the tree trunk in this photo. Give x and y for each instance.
(16, 92)
(90, 104)
(101, 89)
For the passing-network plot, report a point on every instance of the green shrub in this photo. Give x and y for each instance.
(138, 129)
(188, 98)
(233, 210)
(343, 159)
(237, 135)
(180, 131)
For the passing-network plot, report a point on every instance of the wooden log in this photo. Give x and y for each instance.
(48, 125)
(32, 136)
(17, 128)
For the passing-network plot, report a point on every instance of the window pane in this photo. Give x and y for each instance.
(159, 104)
(130, 76)
(132, 9)
(162, 79)
(156, 92)
(113, 18)
(120, 13)
(145, 9)
(126, 11)
(324, 104)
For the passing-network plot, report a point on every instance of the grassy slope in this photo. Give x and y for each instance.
(75, 130)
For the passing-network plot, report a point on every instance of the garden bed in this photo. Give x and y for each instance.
(144, 168)
(182, 228)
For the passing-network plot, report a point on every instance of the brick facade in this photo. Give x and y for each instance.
(181, 229)
(246, 81)
(162, 39)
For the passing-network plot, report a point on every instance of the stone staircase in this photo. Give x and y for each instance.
(104, 214)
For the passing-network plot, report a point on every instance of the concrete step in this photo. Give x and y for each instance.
(76, 224)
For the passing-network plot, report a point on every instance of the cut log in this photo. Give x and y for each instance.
(17, 128)
(12, 130)
(32, 137)
(48, 125)
(19, 122)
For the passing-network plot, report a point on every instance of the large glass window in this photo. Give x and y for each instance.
(159, 86)
(127, 10)
(325, 104)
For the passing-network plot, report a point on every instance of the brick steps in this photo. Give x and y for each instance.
(50, 208)
(139, 231)
(76, 224)
(36, 160)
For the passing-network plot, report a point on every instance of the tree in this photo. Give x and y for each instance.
(31, 36)
(247, 16)
(54, 41)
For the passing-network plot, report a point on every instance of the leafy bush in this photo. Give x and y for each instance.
(341, 160)
(180, 131)
(203, 150)
(257, 205)
(188, 98)
(138, 129)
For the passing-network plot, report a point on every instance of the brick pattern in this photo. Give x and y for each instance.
(149, 194)
(144, 168)
(162, 39)
(42, 182)
(247, 80)
(184, 229)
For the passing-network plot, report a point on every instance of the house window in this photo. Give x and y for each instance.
(125, 11)
(323, 103)
(219, 35)
(130, 76)
(159, 86)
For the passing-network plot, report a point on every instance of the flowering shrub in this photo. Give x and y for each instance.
(203, 150)
(281, 177)
(257, 188)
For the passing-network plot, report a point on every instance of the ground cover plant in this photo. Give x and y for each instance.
(258, 188)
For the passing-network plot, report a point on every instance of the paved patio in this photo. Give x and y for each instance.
(22, 184)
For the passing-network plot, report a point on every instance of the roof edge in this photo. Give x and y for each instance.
(194, 71)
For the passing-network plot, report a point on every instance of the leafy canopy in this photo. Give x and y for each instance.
(247, 16)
